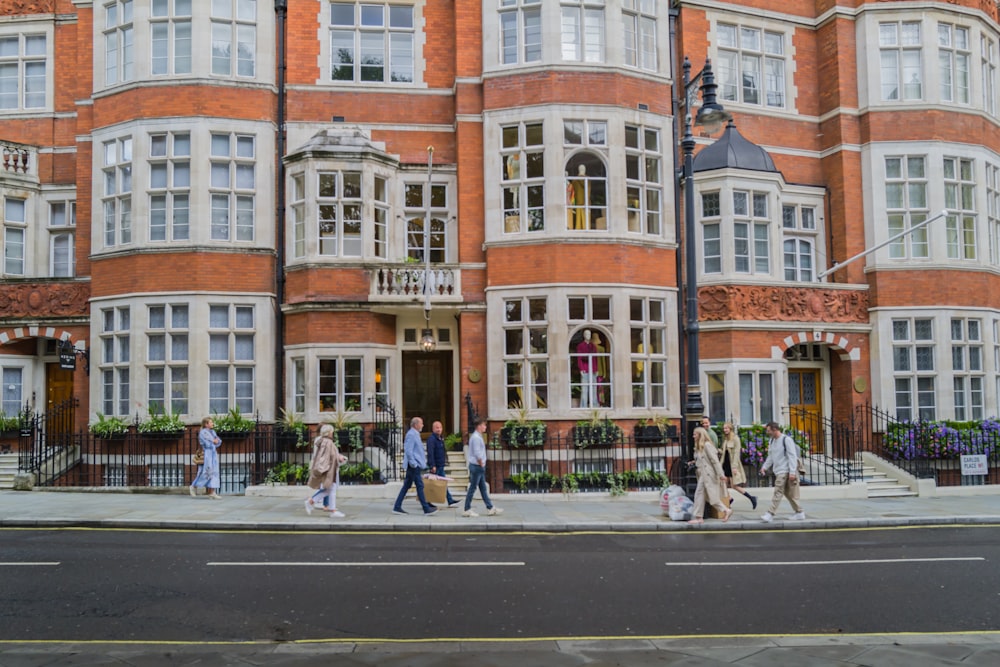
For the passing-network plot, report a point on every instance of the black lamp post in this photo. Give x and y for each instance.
(711, 115)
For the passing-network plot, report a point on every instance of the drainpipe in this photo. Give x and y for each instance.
(281, 15)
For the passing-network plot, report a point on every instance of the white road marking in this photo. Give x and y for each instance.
(826, 562)
(363, 564)
(52, 563)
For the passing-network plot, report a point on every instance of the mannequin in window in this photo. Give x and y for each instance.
(587, 365)
(576, 199)
(601, 361)
(514, 173)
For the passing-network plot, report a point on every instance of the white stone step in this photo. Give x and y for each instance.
(901, 492)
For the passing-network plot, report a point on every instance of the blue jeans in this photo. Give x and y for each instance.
(413, 478)
(477, 480)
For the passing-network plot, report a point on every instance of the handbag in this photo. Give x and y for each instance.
(198, 457)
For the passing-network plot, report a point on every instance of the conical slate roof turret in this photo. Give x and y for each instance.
(732, 150)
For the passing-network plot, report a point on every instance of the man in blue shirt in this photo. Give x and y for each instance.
(437, 457)
(414, 460)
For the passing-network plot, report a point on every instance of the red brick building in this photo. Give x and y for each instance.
(235, 203)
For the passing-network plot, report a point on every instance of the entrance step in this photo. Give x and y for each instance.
(881, 485)
(8, 470)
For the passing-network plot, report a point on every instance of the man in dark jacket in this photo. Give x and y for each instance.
(437, 458)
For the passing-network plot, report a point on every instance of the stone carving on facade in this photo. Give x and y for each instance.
(14, 7)
(44, 299)
(798, 304)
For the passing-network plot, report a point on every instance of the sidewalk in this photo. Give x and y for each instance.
(522, 512)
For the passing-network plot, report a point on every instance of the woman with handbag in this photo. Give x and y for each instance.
(710, 478)
(324, 473)
(732, 463)
(208, 473)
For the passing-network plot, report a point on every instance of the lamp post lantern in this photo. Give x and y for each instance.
(711, 115)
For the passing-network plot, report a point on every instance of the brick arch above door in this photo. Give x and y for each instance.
(11, 334)
(840, 343)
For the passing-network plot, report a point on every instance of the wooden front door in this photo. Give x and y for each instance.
(58, 391)
(805, 405)
(427, 389)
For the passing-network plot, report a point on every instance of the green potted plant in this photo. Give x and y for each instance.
(233, 423)
(281, 473)
(10, 427)
(161, 424)
(347, 434)
(596, 432)
(109, 427)
(520, 431)
(650, 431)
(293, 428)
(453, 442)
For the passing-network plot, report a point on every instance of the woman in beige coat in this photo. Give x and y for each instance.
(732, 463)
(324, 472)
(710, 478)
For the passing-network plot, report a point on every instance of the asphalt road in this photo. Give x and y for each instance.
(120, 585)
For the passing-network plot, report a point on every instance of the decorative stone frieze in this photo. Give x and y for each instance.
(12, 7)
(43, 299)
(766, 302)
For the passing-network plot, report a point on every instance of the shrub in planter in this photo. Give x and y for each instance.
(519, 431)
(9, 426)
(595, 432)
(161, 424)
(293, 428)
(233, 423)
(109, 427)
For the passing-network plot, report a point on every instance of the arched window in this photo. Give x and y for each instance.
(590, 369)
(586, 192)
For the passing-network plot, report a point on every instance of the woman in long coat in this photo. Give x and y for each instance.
(710, 476)
(324, 472)
(208, 472)
(732, 463)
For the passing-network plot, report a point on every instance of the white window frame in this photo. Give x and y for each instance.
(906, 185)
(752, 65)
(582, 26)
(968, 368)
(169, 168)
(347, 392)
(522, 176)
(339, 207)
(168, 323)
(753, 388)
(415, 215)
(988, 67)
(648, 353)
(954, 62)
(639, 24)
(117, 191)
(993, 210)
(520, 29)
(232, 357)
(914, 367)
(297, 211)
(12, 401)
(170, 40)
(234, 22)
(526, 353)
(115, 361)
(960, 201)
(391, 35)
(232, 186)
(751, 215)
(711, 232)
(119, 42)
(644, 180)
(800, 234)
(24, 61)
(15, 236)
(901, 61)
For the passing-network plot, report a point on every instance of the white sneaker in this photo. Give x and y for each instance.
(799, 516)
(309, 506)
(767, 517)
(469, 513)
(493, 511)
(337, 514)
(193, 492)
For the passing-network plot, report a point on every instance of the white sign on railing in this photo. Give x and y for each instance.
(974, 464)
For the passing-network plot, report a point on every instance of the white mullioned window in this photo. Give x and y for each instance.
(590, 368)
(62, 238)
(913, 368)
(339, 213)
(371, 42)
(583, 30)
(639, 18)
(13, 390)
(757, 397)
(415, 199)
(170, 37)
(340, 383)
(648, 352)
(751, 233)
(520, 31)
(899, 61)
(231, 358)
(643, 180)
(586, 174)
(115, 359)
(167, 369)
(299, 385)
(906, 204)
(232, 185)
(170, 186)
(23, 65)
(960, 200)
(798, 225)
(117, 196)
(711, 214)
(119, 42)
(14, 229)
(751, 65)
(968, 374)
(988, 53)
(522, 175)
(954, 58)
(993, 210)
(297, 206)
(380, 222)
(234, 37)
(526, 352)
